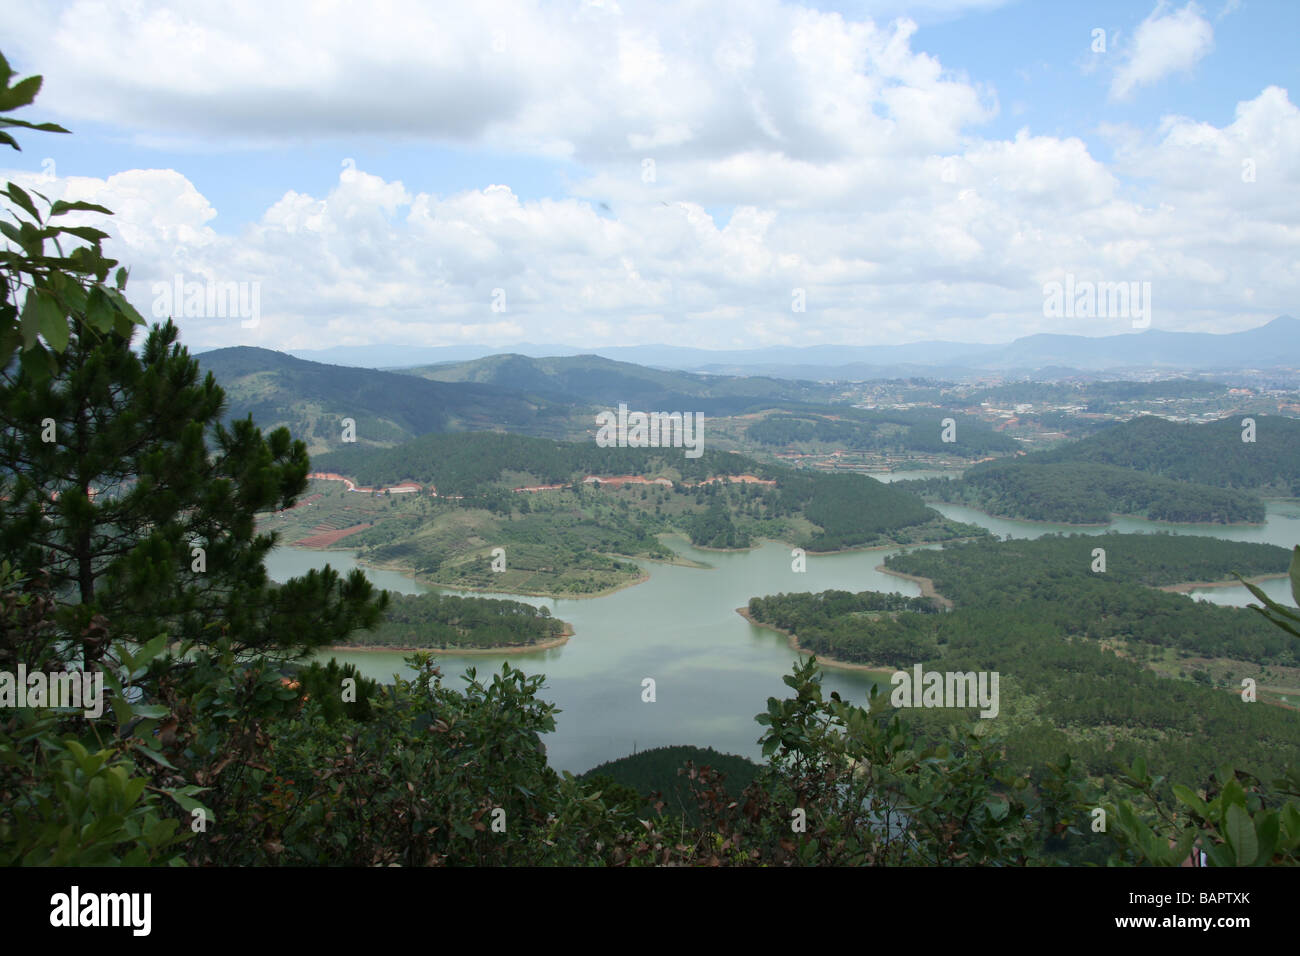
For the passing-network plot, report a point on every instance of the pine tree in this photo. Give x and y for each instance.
(121, 482)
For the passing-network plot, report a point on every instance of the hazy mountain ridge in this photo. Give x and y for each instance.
(312, 399)
(553, 397)
(595, 380)
(1275, 344)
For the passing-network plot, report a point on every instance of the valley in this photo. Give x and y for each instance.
(917, 525)
(607, 435)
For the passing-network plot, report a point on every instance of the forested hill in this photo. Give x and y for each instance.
(1098, 396)
(656, 771)
(447, 620)
(592, 380)
(980, 572)
(312, 399)
(1084, 656)
(846, 510)
(463, 463)
(1085, 493)
(1149, 467)
(1211, 454)
(889, 431)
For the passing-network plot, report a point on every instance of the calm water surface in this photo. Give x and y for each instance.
(713, 671)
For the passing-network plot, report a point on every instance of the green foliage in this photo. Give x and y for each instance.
(1234, 819)
(873, 794)
(421, 781)
(884, 431)
(654, 776)
(44, 297)
(837, 623)
(324, 683)
(71, 794)
(1082, 493)
(1277, 614)
(714, 528)
(1210, 454)
(115, 505)
(1035, 612)
(446, 620)
(66, 804)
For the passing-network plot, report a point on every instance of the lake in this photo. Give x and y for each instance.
(713, 670)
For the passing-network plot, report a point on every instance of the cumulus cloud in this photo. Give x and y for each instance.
(968, 236)
(594, 83)
(1164, 43)
(793, 153)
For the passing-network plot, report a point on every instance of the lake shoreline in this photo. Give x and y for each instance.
(821, 661)
(641, 578)
(927, 585)
(1106, 524)
(676, 561)
(1187, 586)
(558, 641)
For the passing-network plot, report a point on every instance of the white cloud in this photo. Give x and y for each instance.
(1164, 43)
(371, 261)
(676, 79)
(843, 163)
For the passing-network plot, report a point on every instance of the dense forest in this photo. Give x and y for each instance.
(312, 399)
(883, 431)
(973, 571)
(659, 771)
(1097, 396)
(462, 464)
(714, 528)
(1147, 467)
(1085, 493)
(847, 510)
(1084, 656)
(831, 623)
(1210, 454)
(445, 620)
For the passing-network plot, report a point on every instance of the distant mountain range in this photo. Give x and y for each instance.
(312, 399)
(551, 397)
(1274, 345)
(593, 380)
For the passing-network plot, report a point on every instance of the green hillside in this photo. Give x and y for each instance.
(592, 380)
(1084, 658)
(447, 620)
(657, 771)
(1085, 493)
(312, 399)
(886, 431)
(816, 511)
(1211, 454)
(1148, 467)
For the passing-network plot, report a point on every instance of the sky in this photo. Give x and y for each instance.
(705, 173)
